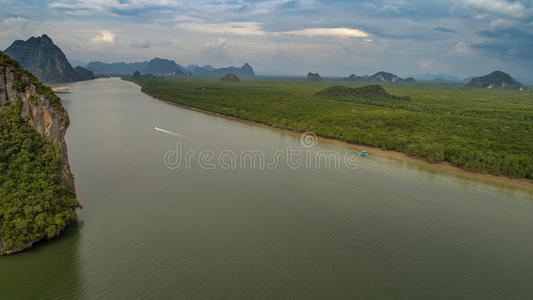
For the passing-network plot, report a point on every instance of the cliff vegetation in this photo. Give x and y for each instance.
(37, 196)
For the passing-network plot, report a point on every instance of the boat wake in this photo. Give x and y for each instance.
(170, 132)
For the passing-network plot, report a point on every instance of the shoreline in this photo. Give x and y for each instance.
(504, 181)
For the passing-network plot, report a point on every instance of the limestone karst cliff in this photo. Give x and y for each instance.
(34, 202)
(496, 80)
(45, 60)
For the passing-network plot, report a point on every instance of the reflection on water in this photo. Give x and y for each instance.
(50, 270)
(386, 230)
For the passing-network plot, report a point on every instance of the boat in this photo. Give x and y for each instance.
(363, 153)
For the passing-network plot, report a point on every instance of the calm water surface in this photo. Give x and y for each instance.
(387, 230)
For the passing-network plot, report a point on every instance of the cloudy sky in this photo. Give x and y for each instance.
(332, 37)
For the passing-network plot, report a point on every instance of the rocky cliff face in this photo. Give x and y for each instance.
(37, 195)
(40, 107)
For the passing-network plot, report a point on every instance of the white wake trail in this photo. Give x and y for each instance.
(171, 133)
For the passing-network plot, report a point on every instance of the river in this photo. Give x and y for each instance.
(150, 228)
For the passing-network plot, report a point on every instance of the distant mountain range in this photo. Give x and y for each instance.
(496, 80)
(244, 71)
(446, 78)
(165, 67)
(380, 77)
(45, 60)
(75, 63)
(439, 78)
(41, 57)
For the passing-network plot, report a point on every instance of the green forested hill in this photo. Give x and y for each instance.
(495, 80)
(33, 204)
(37, 197)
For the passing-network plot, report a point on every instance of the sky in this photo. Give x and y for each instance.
(288, 37)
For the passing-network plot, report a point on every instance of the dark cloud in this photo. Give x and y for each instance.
(493, 47)
(514, 40)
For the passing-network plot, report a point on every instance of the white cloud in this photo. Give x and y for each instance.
(13, 20)
(501, 23)
(104, 37)
(16, 28)
(184, 18)
(238, 28)
(307, 4)
(462, 48)
(219, 50)
(334, 32)
(394, 5)
(498, 7)
(255, 29)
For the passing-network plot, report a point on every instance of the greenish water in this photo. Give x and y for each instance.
(386, 230)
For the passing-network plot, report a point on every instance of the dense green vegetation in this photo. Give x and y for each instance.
(33, 203)
(488, 131)
(23, 78)
(230, 77)
(358, 94)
